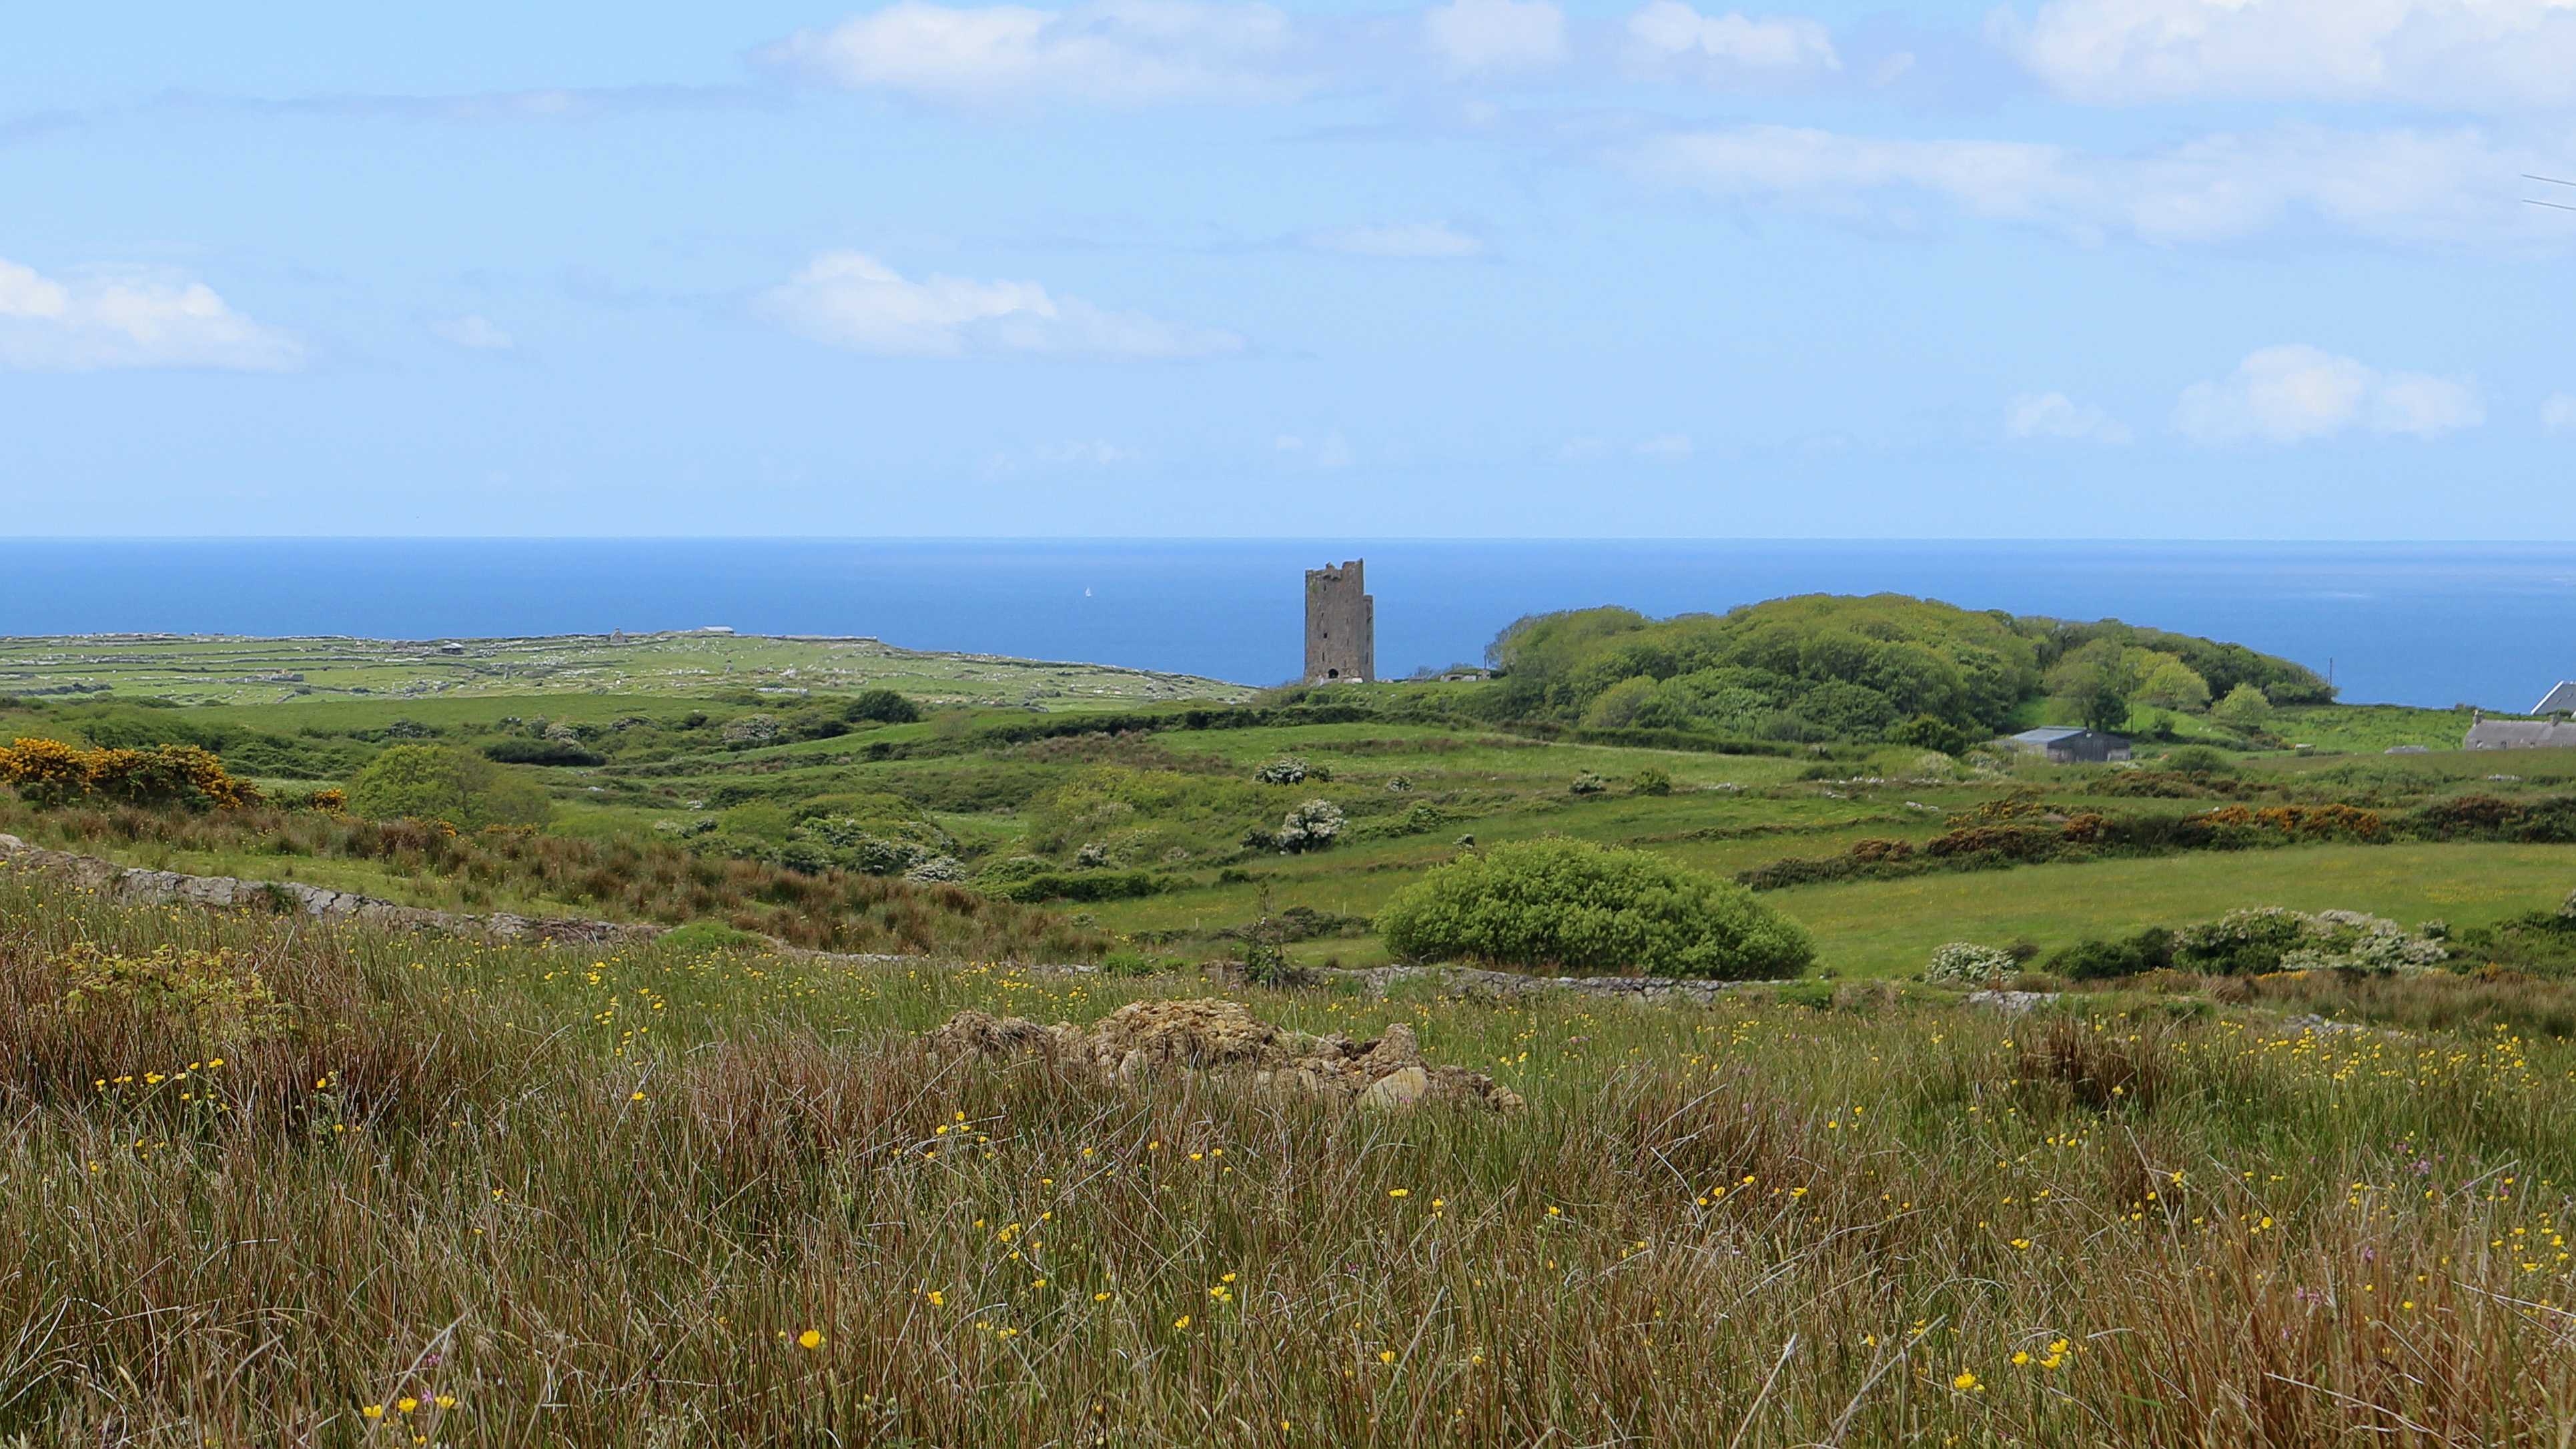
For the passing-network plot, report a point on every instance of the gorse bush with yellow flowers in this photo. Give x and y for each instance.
(49, 772)
(482, 1195)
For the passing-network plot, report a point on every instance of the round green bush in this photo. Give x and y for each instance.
(1567, 905)
(2191, 759)
(431, 782)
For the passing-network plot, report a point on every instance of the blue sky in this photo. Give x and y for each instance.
(2078, 268)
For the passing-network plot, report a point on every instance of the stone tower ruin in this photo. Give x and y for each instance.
(1341, 625)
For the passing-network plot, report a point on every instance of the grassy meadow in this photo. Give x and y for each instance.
(229, 670)
(412, 1191)
(276, 1183)
(1172, 803)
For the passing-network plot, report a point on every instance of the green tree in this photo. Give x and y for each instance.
(2176, 685)
(2097, 681)
(431, 782)
(883, 705)
(1566, 904)
(1616, 707)
(2244, 708)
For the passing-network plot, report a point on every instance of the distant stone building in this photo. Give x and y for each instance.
(2561, 700)
(1341, 625)
(2069, 745)
(2519, 734)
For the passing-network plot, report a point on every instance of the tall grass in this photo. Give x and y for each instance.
(647, 880)
(605, 1201)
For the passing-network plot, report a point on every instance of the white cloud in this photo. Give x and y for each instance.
(855, 301)
(1666, 448)
(1105, 52)
(471, 331)
(2055, 415)
(129, 317)
(2405, 186)
(1481, 37)
(1670, 34)
(1420, 240)
(2294, 393)
(2472, 54)
(2558, 414)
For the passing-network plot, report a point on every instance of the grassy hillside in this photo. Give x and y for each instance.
(219, 669)
(365, 1190)
(1157, 821)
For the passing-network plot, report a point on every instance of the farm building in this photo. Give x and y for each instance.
(2068, 745)
(2519, 734)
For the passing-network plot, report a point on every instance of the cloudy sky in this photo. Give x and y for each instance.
(2074, 268)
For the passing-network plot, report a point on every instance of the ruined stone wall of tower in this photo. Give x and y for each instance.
(1341, 625)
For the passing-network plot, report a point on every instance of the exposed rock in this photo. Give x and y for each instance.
(2010, 1003)
(1402, 1087)
(1210, 1032)
(1147, 1039)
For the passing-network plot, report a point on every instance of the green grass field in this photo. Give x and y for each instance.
(1889, 928)
(209, 669)
(658, 712)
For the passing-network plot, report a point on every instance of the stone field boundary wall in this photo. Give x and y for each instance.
(222, 892)
(134, 883)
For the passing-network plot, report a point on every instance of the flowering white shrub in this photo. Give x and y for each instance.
(2270, 938)
(2351, 940)
(751, 729)
(1286, 770)
(1965, 963)
(1310, 826)
(938, 867)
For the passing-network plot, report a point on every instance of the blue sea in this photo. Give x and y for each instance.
(2427, 624)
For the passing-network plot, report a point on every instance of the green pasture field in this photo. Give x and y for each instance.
(200, 669)
(2370, 728)
(1890, 927)
(1724, 813)
(2432, 770)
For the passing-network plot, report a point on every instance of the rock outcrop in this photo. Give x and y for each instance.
(1147, 1039)
(133, 883)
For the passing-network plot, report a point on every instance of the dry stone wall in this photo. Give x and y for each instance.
(134, 883)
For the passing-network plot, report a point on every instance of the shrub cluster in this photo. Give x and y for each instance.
(48, 772)
(1965, 963)
(1312, 826)
(2550, 820)
(1567, 905)
(434, 782)
(1999, 835)
(2260, 941)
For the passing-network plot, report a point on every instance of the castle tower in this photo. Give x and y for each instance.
(1341, 625)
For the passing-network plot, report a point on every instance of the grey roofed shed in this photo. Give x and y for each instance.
(2072, 745)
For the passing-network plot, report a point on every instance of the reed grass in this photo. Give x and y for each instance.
(642, 880)
(550, 1197)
